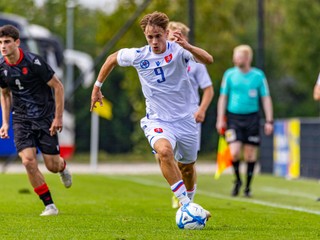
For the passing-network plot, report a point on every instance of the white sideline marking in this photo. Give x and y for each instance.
(288, 192)
(146, 182)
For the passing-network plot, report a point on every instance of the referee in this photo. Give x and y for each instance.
(241, 89)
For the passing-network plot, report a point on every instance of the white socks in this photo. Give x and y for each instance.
(180, 191)
(191, 193)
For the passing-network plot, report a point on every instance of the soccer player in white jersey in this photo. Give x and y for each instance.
(199, 79)
(316, 97)
(169, 124)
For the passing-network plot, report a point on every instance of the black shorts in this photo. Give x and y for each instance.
(35, 133)
(244, 128)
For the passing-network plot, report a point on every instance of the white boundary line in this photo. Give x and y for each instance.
(147, 182)
(288, 192)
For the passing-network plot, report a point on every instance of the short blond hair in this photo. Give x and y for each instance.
(179, 26)
(244, 48)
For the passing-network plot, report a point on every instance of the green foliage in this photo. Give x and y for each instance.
(291, 56)
(138, 207)
(16, 6)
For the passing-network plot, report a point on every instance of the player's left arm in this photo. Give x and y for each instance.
(268, 111)
(199, 54)
(205, 102)
(57, 86)
(267, 105)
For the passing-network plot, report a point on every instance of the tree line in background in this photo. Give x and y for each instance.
(292, 57)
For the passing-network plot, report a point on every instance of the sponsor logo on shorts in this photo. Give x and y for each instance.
(230, 135)
(158, 130)
(37, 62)
(254, 139)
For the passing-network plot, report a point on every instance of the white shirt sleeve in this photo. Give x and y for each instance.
(318, 81)
(202, 76)
(187, 55)
(126, 56)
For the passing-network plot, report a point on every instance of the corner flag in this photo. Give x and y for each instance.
(224, 158)
(105, 110)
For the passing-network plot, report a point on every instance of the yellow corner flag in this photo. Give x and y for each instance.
(105, 110)
(224, 158)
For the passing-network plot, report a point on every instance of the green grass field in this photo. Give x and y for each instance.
(139, 207)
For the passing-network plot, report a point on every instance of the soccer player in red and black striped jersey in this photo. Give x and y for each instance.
(30, 88)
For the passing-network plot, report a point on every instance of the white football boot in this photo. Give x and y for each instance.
(66, 178)
(50, 210)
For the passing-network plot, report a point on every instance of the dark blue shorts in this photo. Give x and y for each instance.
(35, 133)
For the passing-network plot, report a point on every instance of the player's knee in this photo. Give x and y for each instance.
(236, 155)
(165, 153)
(187, 170)
(52, 168)
(29, 163)
(54, 165)
(250, 157)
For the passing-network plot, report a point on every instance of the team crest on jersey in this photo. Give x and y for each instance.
(24, 70)
(158, 130)
(188, 69)
(36, 61)
(5, 72)
(144, 64)
(168, 58)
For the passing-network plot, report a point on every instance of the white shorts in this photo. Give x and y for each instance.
(182, 134)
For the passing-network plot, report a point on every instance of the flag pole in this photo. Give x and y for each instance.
(94, 142)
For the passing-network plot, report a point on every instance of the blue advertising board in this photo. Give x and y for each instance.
(7, 147)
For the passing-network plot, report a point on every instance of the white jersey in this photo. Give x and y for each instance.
(199, 77)
(164, 80)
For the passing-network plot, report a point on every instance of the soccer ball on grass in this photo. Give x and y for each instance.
(191, 216)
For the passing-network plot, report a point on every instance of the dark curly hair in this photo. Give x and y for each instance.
(9, 31)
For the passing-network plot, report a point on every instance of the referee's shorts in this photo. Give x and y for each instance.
(244, 128)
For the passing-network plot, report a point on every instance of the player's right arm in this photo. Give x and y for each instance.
(200, 55)
(222, 106)
(105, 70)
(5, 106)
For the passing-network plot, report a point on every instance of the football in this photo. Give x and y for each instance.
(191, 216)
